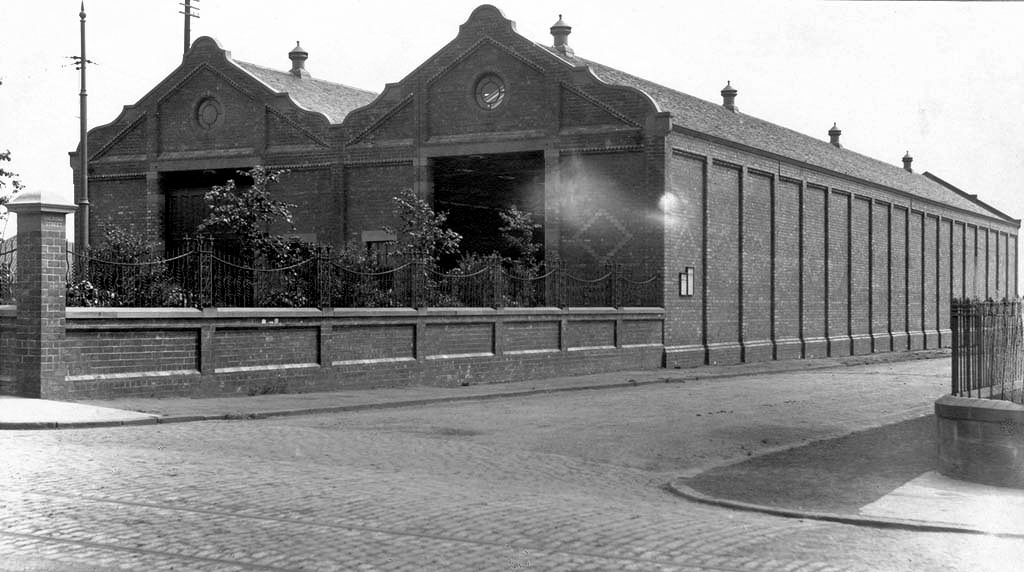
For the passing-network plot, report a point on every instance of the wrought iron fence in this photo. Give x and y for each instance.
(152, 282)
(8, 270)
(988, 349)
(201, 277)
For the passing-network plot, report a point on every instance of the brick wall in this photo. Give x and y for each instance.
(722, 272)
(915, 277)
(861, 274)
(609, 213)
(898, 264)
(452, 105)
(104, 352)
(787, 275)
(117, 352)
(881, 279)
(971, 262)
(532, 336)
(1011, 265)
(266, 346)
(684, 247)
(638, 332)
(177, 117)
(459, 338)
(864, 268)
(369, 190)
(591, 334)
(7, 316)
(930, 282)
(980, 262)
(815, 272)
(992, 244)
(946, 257)
(957, 261)
(118, 202)
(1001, 267)
(757, 266)
(316, 205)
(355, 342)
(838, 264)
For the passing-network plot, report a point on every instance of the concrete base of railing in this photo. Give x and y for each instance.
(981, 440)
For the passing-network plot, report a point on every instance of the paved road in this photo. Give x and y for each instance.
(571, 481)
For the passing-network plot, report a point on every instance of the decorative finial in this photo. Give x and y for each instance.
(729, 97)
(907, 162)
(560, 31)
(833, 135)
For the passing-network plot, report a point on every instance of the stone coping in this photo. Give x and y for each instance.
(74, 313)
(979, 409)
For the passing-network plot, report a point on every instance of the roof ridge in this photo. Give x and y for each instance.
(801, 147)
(306, 79)
(332, 100)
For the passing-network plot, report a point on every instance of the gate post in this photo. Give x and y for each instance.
(39, 367)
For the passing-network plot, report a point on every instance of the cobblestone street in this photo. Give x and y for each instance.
(570, 481)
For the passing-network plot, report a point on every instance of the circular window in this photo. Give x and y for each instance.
(490, 91)
(209, 113)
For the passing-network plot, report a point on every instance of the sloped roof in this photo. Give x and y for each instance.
(713, 119)
(332, 99)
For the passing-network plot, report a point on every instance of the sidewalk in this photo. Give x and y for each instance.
(22, 413)
(877, 477)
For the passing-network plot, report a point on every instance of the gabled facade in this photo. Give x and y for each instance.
(211, 117)
(773, 244)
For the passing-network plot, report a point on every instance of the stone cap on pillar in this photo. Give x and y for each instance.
(40, 202)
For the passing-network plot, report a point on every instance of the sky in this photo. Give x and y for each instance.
(944, 80)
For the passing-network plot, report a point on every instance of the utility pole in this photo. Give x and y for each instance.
(83, 197)
(187, 4)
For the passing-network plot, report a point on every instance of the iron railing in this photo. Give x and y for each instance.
(201, 277)
(8, 271)
(988, 349)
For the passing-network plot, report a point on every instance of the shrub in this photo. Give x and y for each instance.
(124, 269)
(423, 234)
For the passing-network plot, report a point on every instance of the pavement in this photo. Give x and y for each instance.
(880, 477)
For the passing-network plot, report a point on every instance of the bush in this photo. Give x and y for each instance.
(124, 269)
(423, 234)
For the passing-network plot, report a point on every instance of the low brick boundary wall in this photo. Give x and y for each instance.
(113, 352)
(8, 315)
(981, 440)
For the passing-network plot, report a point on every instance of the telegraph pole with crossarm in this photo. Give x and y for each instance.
(189, 14)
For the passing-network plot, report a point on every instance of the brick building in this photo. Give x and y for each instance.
(773, 244)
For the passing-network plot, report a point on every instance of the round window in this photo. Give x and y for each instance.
(209, 113)
(490, 91)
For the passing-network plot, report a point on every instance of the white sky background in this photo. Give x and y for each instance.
(942, 80)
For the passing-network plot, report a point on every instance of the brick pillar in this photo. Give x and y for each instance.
(39, 369)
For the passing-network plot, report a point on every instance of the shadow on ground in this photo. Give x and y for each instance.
(836, 476)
